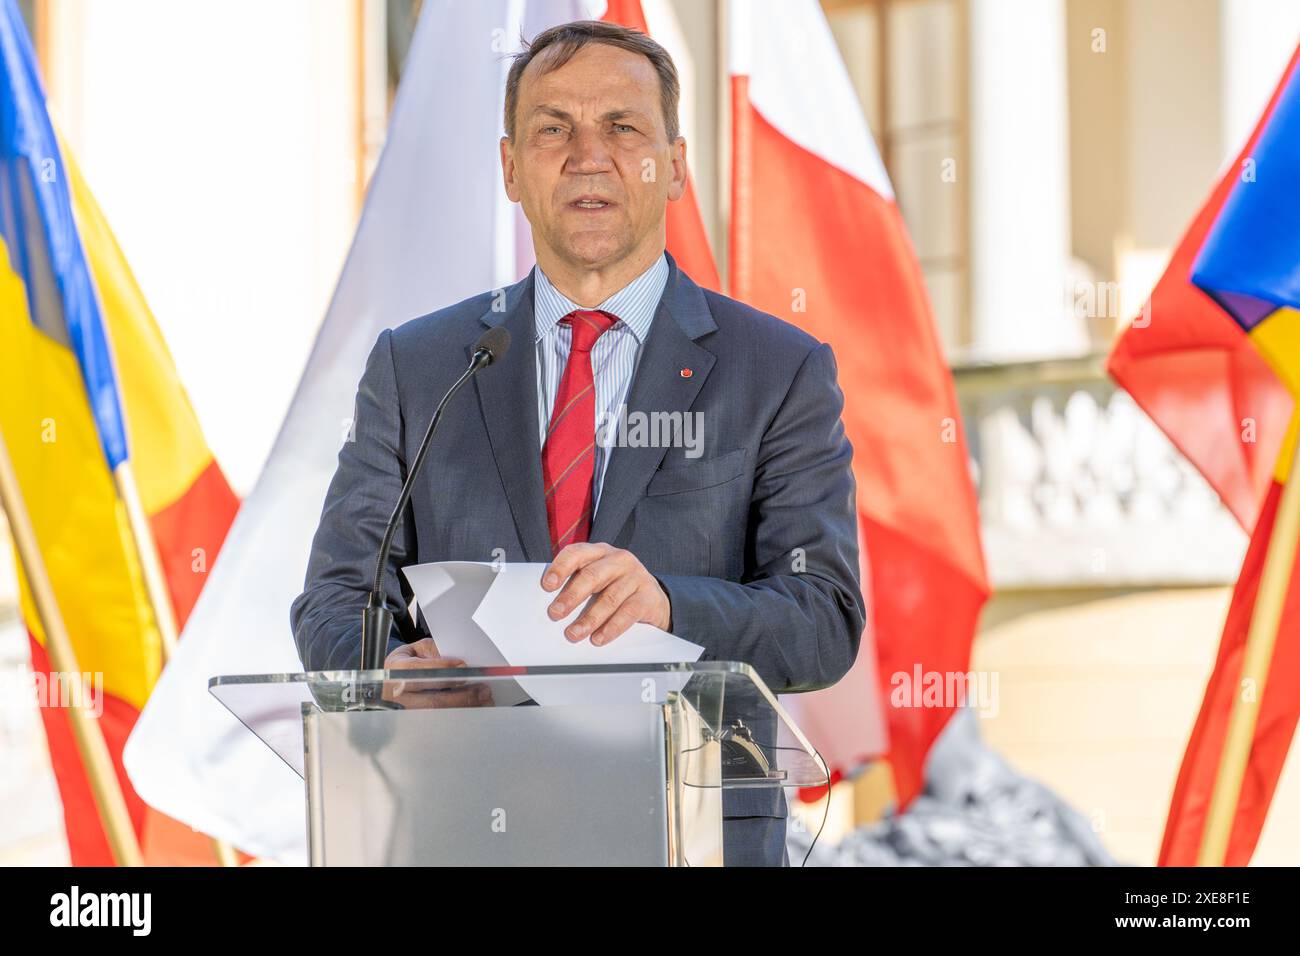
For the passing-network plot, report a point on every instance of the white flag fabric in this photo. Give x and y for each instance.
(437, 227)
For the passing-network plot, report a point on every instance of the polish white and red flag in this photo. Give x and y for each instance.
(817, 238)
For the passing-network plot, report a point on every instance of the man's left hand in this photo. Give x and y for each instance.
(624, 592)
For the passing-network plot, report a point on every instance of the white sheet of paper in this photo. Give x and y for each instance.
(514, 615)
(496, 615)
(449, 592)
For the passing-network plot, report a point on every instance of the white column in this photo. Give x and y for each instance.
(1020, 182)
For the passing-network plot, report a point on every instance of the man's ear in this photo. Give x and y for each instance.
(508, 169)
(677, 186)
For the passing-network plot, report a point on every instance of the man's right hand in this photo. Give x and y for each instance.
(423, 655)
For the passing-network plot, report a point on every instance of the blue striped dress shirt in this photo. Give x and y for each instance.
(614, 358)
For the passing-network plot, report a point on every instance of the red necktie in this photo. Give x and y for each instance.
(569, 455)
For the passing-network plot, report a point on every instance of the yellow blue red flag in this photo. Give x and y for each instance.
(86, 384)
(1242, 261)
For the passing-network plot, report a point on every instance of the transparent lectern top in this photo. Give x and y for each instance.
(761, 746)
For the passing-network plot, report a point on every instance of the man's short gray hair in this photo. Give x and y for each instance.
(560, 43)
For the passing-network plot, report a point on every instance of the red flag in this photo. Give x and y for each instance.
(817, 239)
(1274, 727)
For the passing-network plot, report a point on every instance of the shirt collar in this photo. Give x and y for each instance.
(635, 304)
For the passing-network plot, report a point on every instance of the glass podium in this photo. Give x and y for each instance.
(537, 766)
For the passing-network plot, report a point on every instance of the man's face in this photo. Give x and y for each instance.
(591, 162)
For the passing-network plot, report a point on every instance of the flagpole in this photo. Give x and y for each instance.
(155, 580)
(105, 786)
(1265, 620)
(146, 550)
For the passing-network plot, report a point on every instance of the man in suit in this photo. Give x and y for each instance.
(741, 537)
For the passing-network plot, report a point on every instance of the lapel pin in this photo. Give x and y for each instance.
(687, 373)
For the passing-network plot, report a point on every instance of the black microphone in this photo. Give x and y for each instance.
(377, 619)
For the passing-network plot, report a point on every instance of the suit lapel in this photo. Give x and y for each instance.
(657, 386)
(508, 398)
